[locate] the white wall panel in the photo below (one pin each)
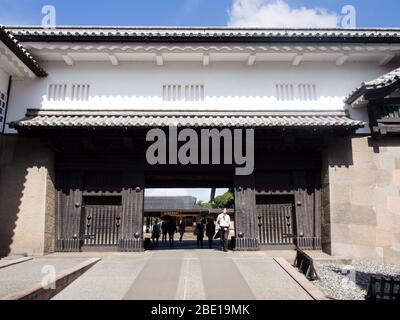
(229, 86)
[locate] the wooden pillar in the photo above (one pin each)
(308, 209)
(132, 209)
(68, 212)
(246, 222)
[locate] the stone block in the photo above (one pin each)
(383, 238)
(360, 144)
(393, 205)
(362, 235)
(396, 177)
(364, 160)
(362, 195)
(386, 161)
(353, 214)
(391, 256)
(339, 193)
(354, 251)
(340, 233)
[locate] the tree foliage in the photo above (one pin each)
(225, 200)
(205, 205)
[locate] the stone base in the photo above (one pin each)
(361, 198)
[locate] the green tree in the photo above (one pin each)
(205, 205)
(226, 200)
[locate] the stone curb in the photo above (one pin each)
(65, 278)
(8, 263)
(311, 289)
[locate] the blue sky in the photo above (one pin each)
(258, 13)
(370, 13)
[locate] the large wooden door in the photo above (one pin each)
(276, 220)
(101, 221)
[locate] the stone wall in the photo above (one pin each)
(361, 199)
(26, 197)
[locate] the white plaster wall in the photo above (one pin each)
(230, 86)
(4, 77)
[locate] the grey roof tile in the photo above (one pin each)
(168, 203)
(142, 119)
(379, 83)
(33, 33)
(13, 44)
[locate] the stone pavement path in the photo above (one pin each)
(20, 276)
(185, 275)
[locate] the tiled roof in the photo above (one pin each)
(12, 43)
(127, 119)
(220, 34)
(178, 203)
(379, 83)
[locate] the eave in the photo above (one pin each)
(20, 52)
(204, 34)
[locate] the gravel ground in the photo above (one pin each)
(350, 282)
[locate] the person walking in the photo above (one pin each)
(223, 224)
(164, 230)
(200, 234)
(155, 235)
(182, 229)
(171, 227)
(210, 232)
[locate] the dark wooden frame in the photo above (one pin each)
(384, 115)
(295, 159)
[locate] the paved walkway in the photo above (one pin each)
(185, 275)
(20, 276)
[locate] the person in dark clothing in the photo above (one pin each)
(155, 234)
(171, 227)
(182, 229)
(210, 232)
(164, 231)
(200, 234)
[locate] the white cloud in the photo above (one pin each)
(279, 14)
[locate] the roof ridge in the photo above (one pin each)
(381, 82)
(204, 34)
(198, 28)
(23, 54)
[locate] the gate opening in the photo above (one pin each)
(176, 218)
(101, 221)
(277, 226)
